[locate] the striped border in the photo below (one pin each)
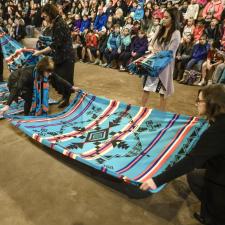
(150, 146)
(110, 109)
(71, 111)
(167, 151)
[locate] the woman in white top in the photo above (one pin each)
(168, 38)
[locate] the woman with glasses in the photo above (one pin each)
(32, 84)
(61, 48)
(205, 164)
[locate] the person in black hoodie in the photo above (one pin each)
(182, 57)
(205, 164)
(213, 32)
(21, 83)
(61, 48)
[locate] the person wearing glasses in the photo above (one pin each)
(61, 48)
(205, 164)
(32, 82)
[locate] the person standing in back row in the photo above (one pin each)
(61, 49)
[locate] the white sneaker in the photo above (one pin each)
(122, 68)
(209, 82)
(104, 65)
(201, 83)
(96, 62)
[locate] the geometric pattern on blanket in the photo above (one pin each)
(16, 107)
(128, 142)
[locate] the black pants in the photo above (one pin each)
(1, 67)
(110, 56)
(66, 71)
(27, 97)
(196, 181)
(124, 58)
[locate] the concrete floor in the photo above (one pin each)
(40, 187)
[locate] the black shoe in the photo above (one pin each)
(64, 104)
(199, 218)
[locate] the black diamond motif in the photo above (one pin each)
(97, 136)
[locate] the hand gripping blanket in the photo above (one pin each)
(151, 64)
(128, 142)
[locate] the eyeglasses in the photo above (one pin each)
(200, 100)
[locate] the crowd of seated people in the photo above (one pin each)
(113, 33)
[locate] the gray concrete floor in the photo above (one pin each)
(39, 187)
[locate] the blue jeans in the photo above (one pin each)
(194, 62)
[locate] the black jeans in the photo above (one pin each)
(27, 97)
(66, 71)
(196, 181)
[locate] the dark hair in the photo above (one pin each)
(116, 26)
(45, 64)
(214, 95)
(51, 10)
(175, 25)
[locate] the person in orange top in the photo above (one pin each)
(198, 31)
(91, 45)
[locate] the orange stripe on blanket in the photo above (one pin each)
(164, 158)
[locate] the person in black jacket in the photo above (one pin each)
(21, 83)
(182, 57)
(207, 181)
(61, 48)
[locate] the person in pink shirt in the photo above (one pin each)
(202, 2)
(198, 31)
(213, 9)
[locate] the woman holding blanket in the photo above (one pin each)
(32, 84)
(167, 38)
(205, 164)
(61, 48)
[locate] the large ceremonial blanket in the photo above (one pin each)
(128, 142)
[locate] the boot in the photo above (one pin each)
(199, 218)
(65, 103)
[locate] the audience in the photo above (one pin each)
(116, 32)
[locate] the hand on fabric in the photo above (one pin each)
(149, 184)
(133, 54)
(74, 89)
(37, 53)
(3, 110)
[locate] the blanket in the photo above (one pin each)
(128, 142)
(16, 55)
(151, 64)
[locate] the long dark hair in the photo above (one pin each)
(175, 25)
(51, 10)
(214, 96)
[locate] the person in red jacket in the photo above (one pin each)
(91, 45)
